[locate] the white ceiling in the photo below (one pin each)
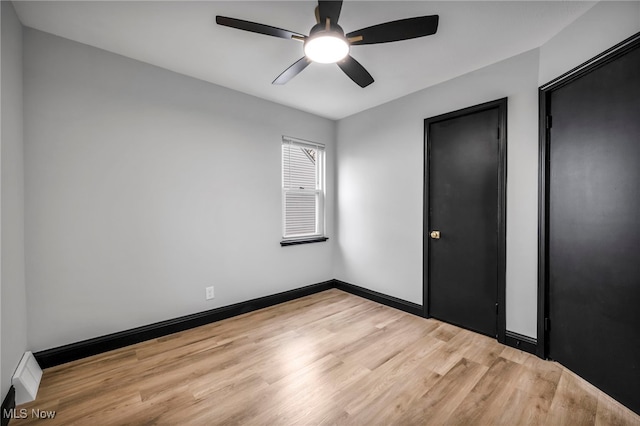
(183, 37)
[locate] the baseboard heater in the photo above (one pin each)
(26, 379)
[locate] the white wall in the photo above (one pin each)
(601, 27)
(380, 169)
(12, 284)
(143, 186)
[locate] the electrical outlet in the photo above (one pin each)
(209, 293)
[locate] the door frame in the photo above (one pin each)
(501, 105)
(545, 124)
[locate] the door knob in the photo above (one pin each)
(435, 235)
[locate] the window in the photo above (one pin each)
(302, 191)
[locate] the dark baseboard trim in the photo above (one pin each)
(74, 351)
(8, 405)
(522, 342)
(391, 301)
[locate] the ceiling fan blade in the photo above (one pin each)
(292, 71)
(329, 9)
(257, 28)
(355, 71)
(402, 29)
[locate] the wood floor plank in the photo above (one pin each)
(487, 401)
(359, 396)
(479, 348)
(611, 413)
(446, 332)
(515, 355)
(439, 403)
(388, 407)
(330, 358)
(523, 409)
(448, 356)
(300, 397)
(571, 403)
(388, 342)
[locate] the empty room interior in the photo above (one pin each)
(303, 212)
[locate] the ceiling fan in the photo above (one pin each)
(327, 43)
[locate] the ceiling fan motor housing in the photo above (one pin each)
(322, 27)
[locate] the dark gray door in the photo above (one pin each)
(594, 227)
(464, 241)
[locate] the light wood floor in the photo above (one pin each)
(329, 358)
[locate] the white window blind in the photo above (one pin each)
(302, 189)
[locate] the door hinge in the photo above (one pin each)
(497, 311)
(549, 122)
(547, 324)
(498, 133)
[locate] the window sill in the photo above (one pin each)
(303, 241)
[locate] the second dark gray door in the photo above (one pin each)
(464, 238)
(594, 227)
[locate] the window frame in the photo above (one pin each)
(319, 191)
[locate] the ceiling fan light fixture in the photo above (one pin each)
(327, 42)
(326, 47)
